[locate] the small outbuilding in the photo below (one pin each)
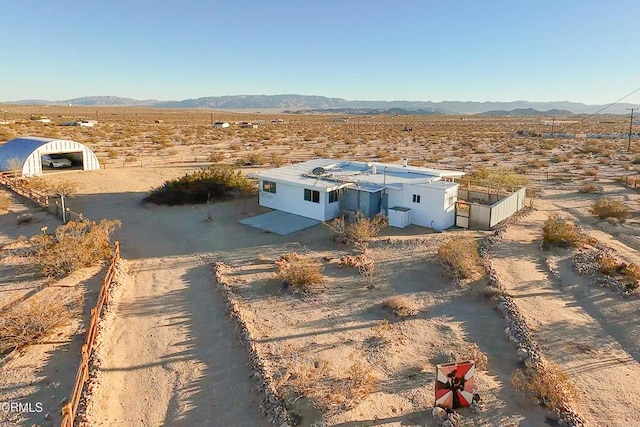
(220, 125)
(28, 154)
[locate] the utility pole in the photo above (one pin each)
(553, 124)
(212, 118)
(630, 127)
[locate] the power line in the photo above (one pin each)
(604, 108)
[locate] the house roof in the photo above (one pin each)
(370, 176)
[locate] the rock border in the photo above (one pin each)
(270, 403)
(517, 330)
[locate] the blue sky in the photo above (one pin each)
(584, 51)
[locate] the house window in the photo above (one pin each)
(416, 198)
(333, 196)
(312, 196)
(269, 186)
(452, 200)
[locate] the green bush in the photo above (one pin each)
(212, 184)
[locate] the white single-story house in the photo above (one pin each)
(324, 189)
(220, 125)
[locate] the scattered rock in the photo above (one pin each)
(270, 405)
(439, 413)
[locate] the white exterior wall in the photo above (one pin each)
(433, 211)
(33, 166)
(331, 210)
(290, 198)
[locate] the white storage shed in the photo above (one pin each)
(25, 154)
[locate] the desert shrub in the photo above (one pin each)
(276, 160)
(608, 264)
(65, 188)
(473, 352)
(31, 321)
(328, 393)
(610, 208)
(353, 260)
(550, 386)
(14, 165)
(590, 189)
(401, 306)
(212, 184)
(360, 231)
(460, 255)
(300, 273)
(499, 177)
(636, 161)
(73, 246)
(5, 201)
(560, 231)
(112, 154)
(253, 159)
(216, 156)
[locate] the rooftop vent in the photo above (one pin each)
(318, 171)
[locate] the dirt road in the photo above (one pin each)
(169, 354)
(577, 339)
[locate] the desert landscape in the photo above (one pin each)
(202, 330)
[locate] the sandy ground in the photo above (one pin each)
(170, 355)
(41, 375)
(170, 345)
(345, 323)
(569, 322)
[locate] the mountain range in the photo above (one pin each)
(320, 103)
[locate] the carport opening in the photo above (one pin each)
(62, 161)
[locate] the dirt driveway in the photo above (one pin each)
(169, 354)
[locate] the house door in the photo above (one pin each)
(463, 211)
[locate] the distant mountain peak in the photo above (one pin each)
(293, 102)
